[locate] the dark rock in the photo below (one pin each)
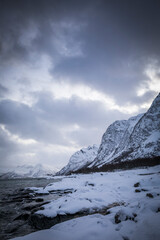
(149, 195)
(117, 219)
(137, 184)
(125, 238)
(23, 216)
(144, 190)
(41, 194)
(91, 184)
(158, 210)
(39, 221)
(35, 206)
(39, 200)
(61, 192)
(42, 222)
(137, 190)
(13, 227)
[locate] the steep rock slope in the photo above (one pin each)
(115, 139)
(135, 138)
(79, 159)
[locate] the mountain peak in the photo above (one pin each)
(79, 159)
(125, 142)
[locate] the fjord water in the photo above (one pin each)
(9, 186)
(9, 209)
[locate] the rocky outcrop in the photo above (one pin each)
(79, 159)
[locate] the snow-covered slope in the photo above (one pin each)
(28, 171)
(137, 137)
(115, 139)
(79, 159)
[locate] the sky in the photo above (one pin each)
(68, 69)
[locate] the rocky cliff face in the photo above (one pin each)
(115, 140)
(135, 138)
(79, 159)
(129, 143)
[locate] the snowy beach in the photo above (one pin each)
(115, 205)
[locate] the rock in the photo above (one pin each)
(137, 190)
(14, 226)
(116, 219)
(120, 216)
(137, 184)
(23, 216)
(149, 195)
(144, 190)
(39, 221)
(39, 200)
(158, 210)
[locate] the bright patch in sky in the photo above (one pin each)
(16, 138)
(152, 83)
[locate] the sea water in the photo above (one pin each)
(10, 209)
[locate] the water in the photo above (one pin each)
(13, 200)
(10, 186)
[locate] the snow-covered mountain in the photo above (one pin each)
(28, 171)
(135, 138)
(79, 159)
(115, 139)
(132, 142)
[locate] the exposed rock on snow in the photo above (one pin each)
(79, 159)
(28, 171)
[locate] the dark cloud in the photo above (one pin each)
(106, 45)
(119, 38)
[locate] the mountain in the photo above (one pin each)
(115, 139)
(125, 144)
(28, 171)
(131, 140)
(79, 159)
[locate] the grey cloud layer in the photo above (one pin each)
(117, 39)
(106, 45)
(46, 119)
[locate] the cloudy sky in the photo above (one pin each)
(68, 69)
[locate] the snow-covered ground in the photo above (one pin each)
(120, 205)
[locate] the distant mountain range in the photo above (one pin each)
(28, 171)
(125, 144)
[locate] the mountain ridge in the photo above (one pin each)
(28, 171)
(129, 143)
